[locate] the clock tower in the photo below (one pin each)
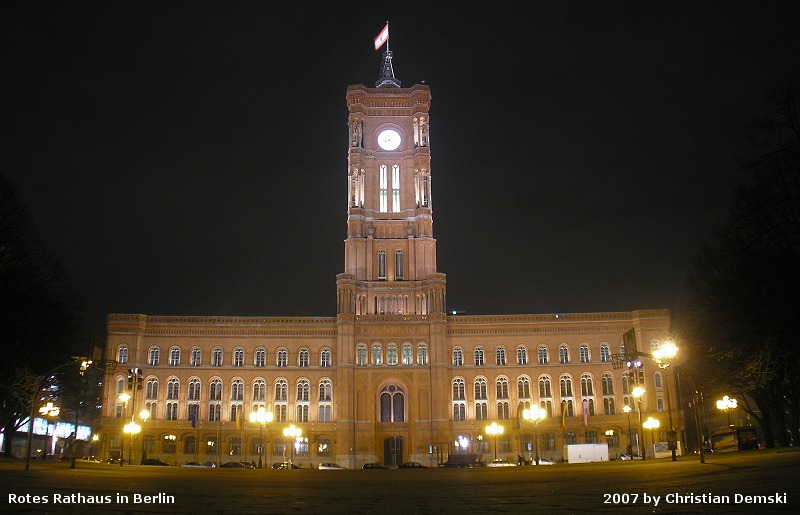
(390, 252)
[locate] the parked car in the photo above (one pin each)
(155, 461)
(91, 459)
(115, 461)
(373, 466)
(285, 465)
(626, 457)
(208, 464)
(330, 466)
(500, 463)
(412, 465)
(233, 465)
(543, 461)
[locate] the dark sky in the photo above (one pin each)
(189, 158)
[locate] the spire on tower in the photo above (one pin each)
(386, 78)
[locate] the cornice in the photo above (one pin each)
(200, 326)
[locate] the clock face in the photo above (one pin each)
(389, 139)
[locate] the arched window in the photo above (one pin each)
(238, 357)
(422, 354)
(459, 390)
(609, 406)
(259, 390)
(605, 353)
(302, 359)
(408, 352)
(398, 265)
(281, 390)
(174, 357)
(587, 387)
(381, 265)
(194, 389)
(563, 354)
(377, 355)
(392, 404)
(361, 355)
(153, 356)
(566, 386)
(173, 389)
(302, 390)
(325, 358)
(543, 357)
(237, 390)
(502, 388)
(282, 357)
(196, 356)
(607, 384)
(657, 380)
(391, 354)
(151, 388)
(522, 355)
(260, 358)
(480, 389)
(500, 356)
(545, 387)
(215, 390)
(479, 362)
(584, 350)
(122, 354)
(216, 357)
(523, 388)
(503, 412)
(325, 407)
(458, 357)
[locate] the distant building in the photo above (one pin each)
(392, 377)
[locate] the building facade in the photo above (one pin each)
(392, 377)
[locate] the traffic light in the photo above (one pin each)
(130, 379)
(139, 378)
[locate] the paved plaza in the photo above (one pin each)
(763, 481)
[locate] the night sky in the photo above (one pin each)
(189, 158)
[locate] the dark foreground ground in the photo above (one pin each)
(630, 487)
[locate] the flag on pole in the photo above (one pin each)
(193, 415)
(585, 412)
(382, 37)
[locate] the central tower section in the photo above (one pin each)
(390, 252)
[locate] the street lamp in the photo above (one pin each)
(294, 434)
(49, 411)
(727, 404)
(144, 415)
(627, 409)
(651, 424)
(131, 428)
(124, 397)
(494, 430)
(638, 392)
(535, 415)
(663, 356)
(261, 416)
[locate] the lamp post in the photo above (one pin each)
(663, 357)
(144, 415)
(534, 416)
(637, 393)
(494, 430)
(293, 433)
(48, 411)
(651, 424)
(261, 416)
(727, 404)
(627, 409)
(124, 397)
(131, 428)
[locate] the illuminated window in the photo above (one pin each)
(260, 357)
(377, 354)
(303, 358)
(459, 390)
(587, 387)
(392, 404)
(522, 355)
(502, 388)
(173, 389)
(605, 353)
(607, 382)
(523, 388)
(216, 357)
(407, 354)
(391, 354)
(282, 357)
(302, 390)
(382, 192)
(563, 354)
(480, 389)
(122, 354)
(458, 357)
(237, 390)
(422, 355)
(584, 351)
(479, 357)
(215, 390)
(172, 411)
(259, 390)
(382, 265)
(396, 188)
(153, 356)
(361, 355)
(543, 357)
(566, 386)
(398, 265)
(174, 357)
(325, 358)
(545, 387)
(500, 356)
(281, 390)
(481, 411)
(196, 356)
(502, 410)
(151, 388)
